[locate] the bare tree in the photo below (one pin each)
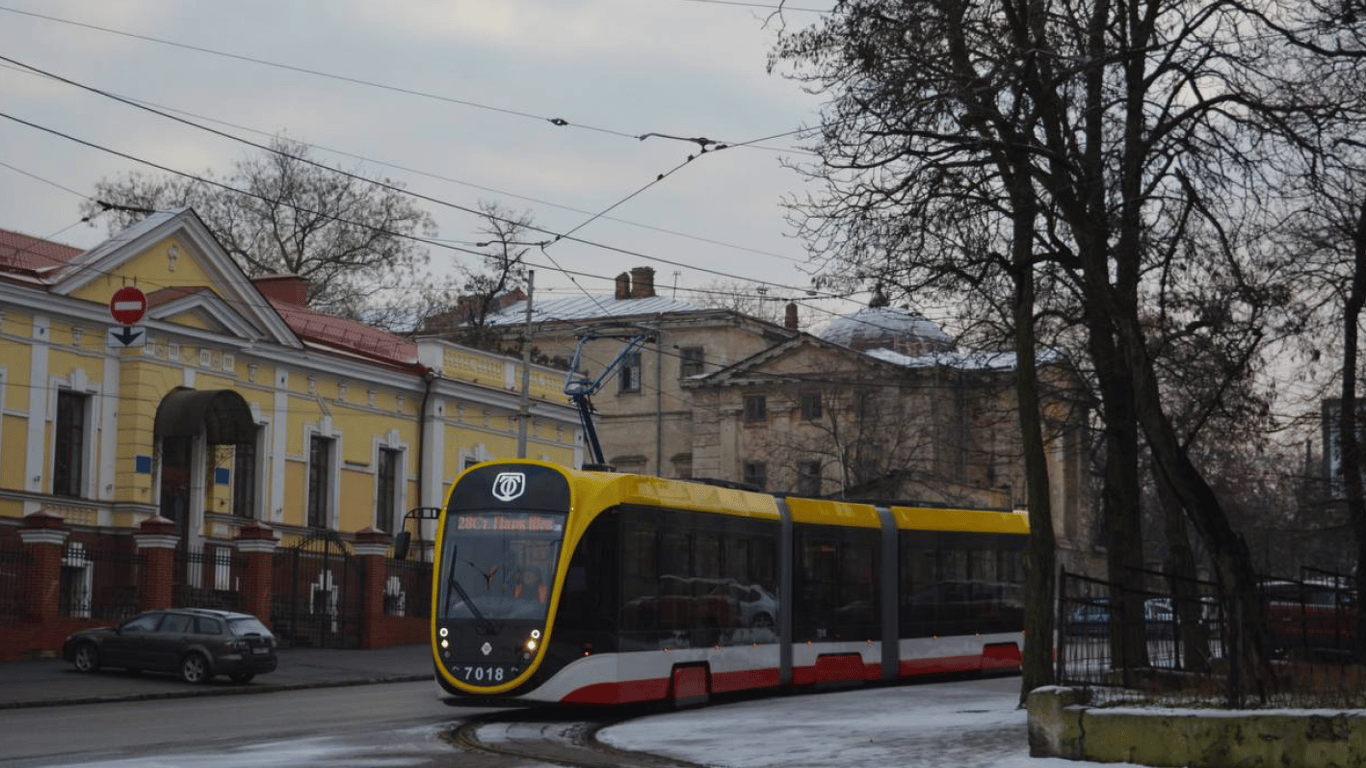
(280, 212)
(490, 286)
(851, 435)
(1122, 156)
(743, 298)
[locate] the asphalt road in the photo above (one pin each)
(324, 726)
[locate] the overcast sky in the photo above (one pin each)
(470, 90)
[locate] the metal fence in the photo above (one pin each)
(99, 580)
(1181, 642)
(12, 564)
(408, 589)
(208, 578)
(318, 593)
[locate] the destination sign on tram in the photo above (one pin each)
(510, 523)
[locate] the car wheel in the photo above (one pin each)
(194, 668)
(86, 658)
(242, 677)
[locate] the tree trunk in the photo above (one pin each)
(1192, 634)
(1120, 505)
(1041, 557)
(1228, 550)
(1351, 448)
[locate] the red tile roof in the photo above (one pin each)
(21, 253)
(24, 253)
(347, 335)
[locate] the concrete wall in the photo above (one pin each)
(1062, 725)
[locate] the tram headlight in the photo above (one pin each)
(531, 645)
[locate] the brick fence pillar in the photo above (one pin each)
(371, 546)
(157, 542)
(43, 535)
(257, 542)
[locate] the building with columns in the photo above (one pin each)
(877, 404)
(217, 407)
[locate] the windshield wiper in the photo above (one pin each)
(479, 616)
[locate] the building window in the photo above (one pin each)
(68, 465)
(756, 409)
(690, 361)
(628, 378)
(756, 474)
(867, 405)
(244, 479)
(869, 462)
(319, 480)
(811, 406)
(809, 477)
(386, 506)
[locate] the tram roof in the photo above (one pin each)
(644, 490)
(827, 512)
(969, 520)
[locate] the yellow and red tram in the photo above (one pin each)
(554, 585)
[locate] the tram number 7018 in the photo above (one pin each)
(485, 674)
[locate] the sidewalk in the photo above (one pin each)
(55, 682)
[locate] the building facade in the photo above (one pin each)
(878, 404)
(228, 407)
(645, 412)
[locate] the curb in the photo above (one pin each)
(246, 690)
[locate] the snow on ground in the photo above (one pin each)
(971, 723)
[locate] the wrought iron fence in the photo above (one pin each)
(12, 564)
(98, 581)
(210, 577)
(408, 589)
(318, 593)
(1184, 643)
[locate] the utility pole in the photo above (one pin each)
(526, 369)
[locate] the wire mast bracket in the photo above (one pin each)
(580, 388)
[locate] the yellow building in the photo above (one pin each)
(217, 400)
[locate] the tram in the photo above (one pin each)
(555, 585)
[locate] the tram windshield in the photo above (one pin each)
(499, 565)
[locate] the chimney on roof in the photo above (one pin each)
(790, 321)
(623, 286)
(286, 289)
(644, 279)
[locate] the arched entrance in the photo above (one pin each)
(190, 425)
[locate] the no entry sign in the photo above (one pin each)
(128, 305)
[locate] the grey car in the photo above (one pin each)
(195, 643)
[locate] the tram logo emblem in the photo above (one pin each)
(509, 485)
(486, 648)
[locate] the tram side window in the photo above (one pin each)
(639, 570)
(588, 609)
(836, 592)
(954, 584)
(707, 578)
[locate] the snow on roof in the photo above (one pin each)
(963, 361)
(973, 361)
(587, 308)
(874, 327)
